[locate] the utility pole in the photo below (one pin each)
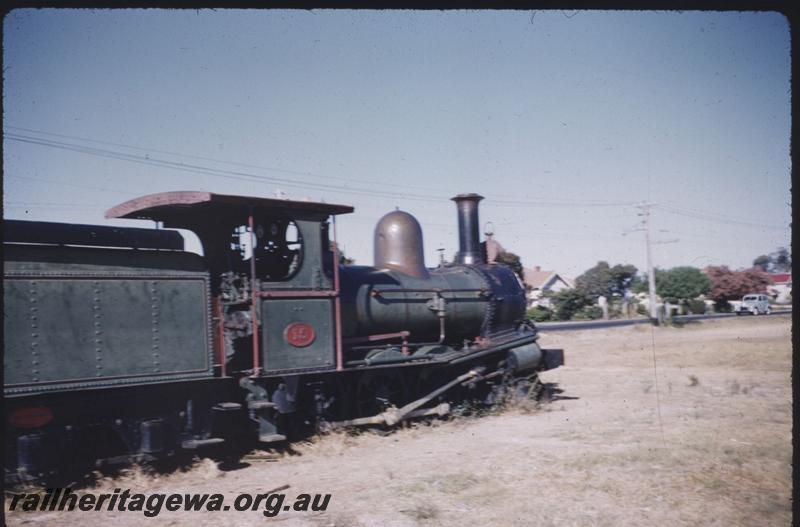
(651, 275)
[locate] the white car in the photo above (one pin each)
(755, 304)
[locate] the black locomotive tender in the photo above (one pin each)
(121, 346)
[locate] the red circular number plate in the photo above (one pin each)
(299, 334)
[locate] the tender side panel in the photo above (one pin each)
(82, 318)
(72, 330)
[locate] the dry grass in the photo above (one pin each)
(423, 510)
(702, 439)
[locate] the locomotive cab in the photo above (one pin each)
(274, 282)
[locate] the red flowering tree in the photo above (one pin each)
(727, 285)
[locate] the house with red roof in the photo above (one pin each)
(781, 288)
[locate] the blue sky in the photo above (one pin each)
(563, 120)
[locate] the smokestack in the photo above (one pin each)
(469, 248)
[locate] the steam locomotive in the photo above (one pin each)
(120, 345)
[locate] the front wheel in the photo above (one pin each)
(756, 312)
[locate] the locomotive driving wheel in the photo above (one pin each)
(322, 401)
(378, 390)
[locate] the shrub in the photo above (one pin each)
(589, 313)
(696, 307)
(568, 302)
(723, 306)
(540, 314)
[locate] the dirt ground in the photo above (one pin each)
(706, 441)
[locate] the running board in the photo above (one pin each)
(393, 415)
(193, 444)
(271, 438)
(440, 411)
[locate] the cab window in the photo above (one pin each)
(276, 244)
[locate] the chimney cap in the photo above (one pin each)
(469, 196)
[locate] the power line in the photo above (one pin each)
(204, 170)
(496, 198)
(217, 172)
(712, 217)
(704, 212)
(249, 177)
(70, 184)
(48, 204)
(215, 160)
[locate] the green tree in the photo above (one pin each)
(512, 260)
(639, 284)
(595, 281)
(680, 284)
(568, 302)
(622, 277)
(779, 261)
(762, 262)
(605, 280)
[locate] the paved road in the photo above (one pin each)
(597, 324)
